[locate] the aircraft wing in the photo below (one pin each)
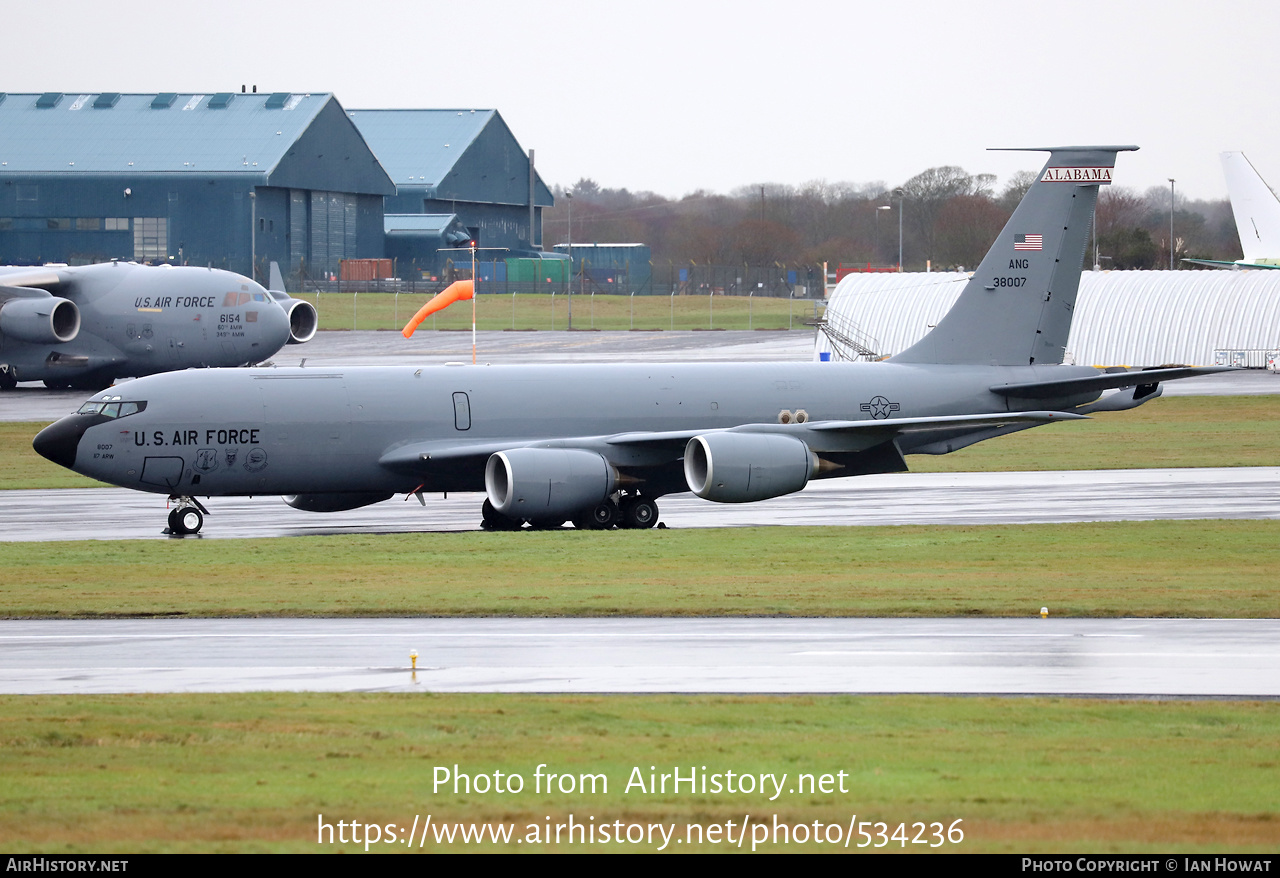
(1105, 381)
(661, 447)
(27, 283)
(35, 276)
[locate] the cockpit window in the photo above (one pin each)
(259, 297)
(111, 409)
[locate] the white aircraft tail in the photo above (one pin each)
(1256, 209)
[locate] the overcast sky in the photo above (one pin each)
(678, 96)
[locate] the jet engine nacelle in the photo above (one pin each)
(743, 467)
(547, 483)
(335, 502)
(40, 320)
(303, 320)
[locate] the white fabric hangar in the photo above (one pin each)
(1123, 318)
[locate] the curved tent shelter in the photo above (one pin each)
(1123, 318)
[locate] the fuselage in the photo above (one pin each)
(374, 429)
(141, 320)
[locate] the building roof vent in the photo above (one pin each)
(48, 100)
(164, 100)
(107, 100)
(221, 100)
(277, 100)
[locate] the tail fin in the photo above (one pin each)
(1256, 209)
(1016, 310)
(275, 281)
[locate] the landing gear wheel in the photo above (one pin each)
(7, 379)
(185, 520)
(54, 384)
(639, 513)
(603, 516)
(492, 519)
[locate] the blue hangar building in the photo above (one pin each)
(238, 181)
(460, 176)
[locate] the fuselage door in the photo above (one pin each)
(461, 411)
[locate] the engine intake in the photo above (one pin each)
(744, 467)
(547, 483)
(303, 320)
(40, 320)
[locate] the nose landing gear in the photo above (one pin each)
(186, 518)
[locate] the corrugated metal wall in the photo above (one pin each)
(1131, 318)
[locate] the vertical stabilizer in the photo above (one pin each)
(1017, 308)
(1256, 210)
(274, 280)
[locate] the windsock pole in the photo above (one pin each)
(473, 303)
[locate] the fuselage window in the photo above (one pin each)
(111, 409)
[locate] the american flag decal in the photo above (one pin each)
(1028, 242)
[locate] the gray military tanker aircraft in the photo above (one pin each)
(598, 445)
(86, 326)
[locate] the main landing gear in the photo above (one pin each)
(631, 511)
(186, 518)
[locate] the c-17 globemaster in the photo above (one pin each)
(598, 445)
(85, 326)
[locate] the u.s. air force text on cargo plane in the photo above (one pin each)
(599, 445)
(85, 326)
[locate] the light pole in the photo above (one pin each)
(1171, 182)
(569, 197)
(878, 209)
(253, 234)
(901, 193)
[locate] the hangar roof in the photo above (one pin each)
(170, 132)
(151, 132)
(464, 155)
(418, 147)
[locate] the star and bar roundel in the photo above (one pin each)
(880, 408)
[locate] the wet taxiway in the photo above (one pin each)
(902, 498)
(1075, 657)
(33, 402)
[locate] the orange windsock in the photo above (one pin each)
(459, 289)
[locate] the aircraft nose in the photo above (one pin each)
(276, 329)
(58, 441)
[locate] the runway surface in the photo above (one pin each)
(33, 402)
(903, 498)
(1077, 657)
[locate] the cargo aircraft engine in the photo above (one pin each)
(41, 319)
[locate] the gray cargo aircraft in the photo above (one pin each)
(86, 326)
(598, 445)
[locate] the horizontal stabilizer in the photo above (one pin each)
(1100, 382)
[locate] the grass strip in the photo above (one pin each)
(523, 311)
(252, 773)
(1111, 569)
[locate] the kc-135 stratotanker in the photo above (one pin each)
(599, 444)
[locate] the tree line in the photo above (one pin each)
(948, 217)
